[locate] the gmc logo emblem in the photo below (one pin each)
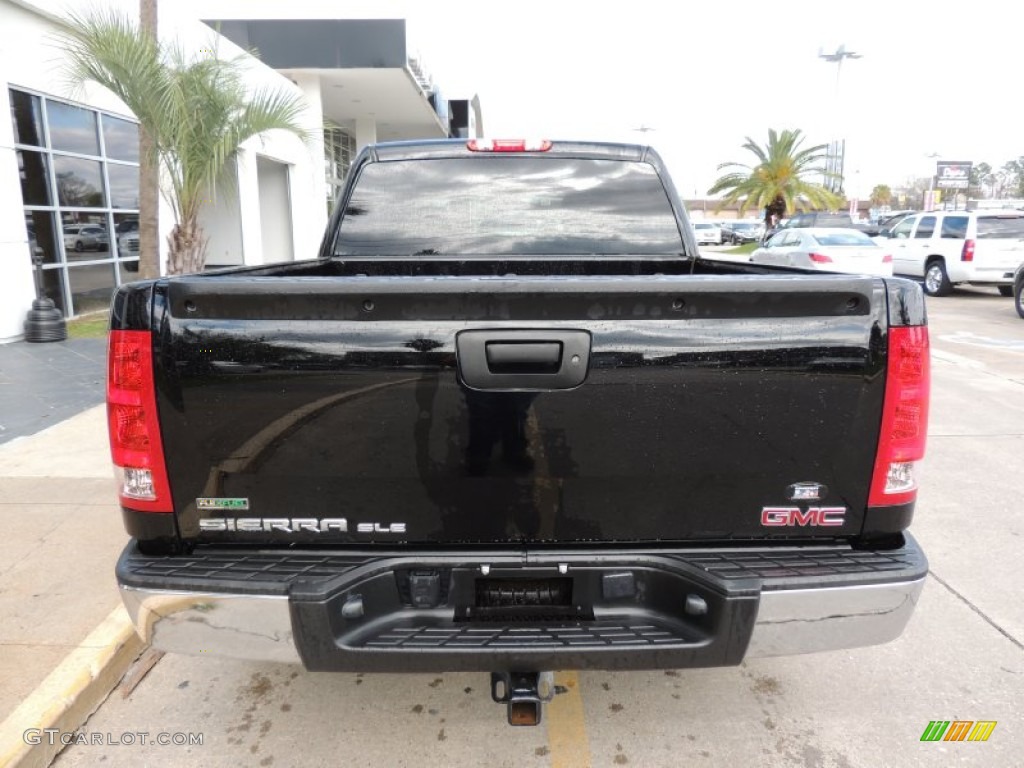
(814, 516)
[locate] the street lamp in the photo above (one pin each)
(929, 204)
(837, 149)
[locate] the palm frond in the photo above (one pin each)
(197, 108)
(781, 172)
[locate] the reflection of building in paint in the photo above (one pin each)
(73, 161)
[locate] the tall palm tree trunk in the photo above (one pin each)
(186, 248)
(149, 173)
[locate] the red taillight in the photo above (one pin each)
(508, 145)
(967, 254)
(135, 444)
(887, 259)
(901, 440)
(820, 258)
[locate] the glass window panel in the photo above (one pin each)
(120, 139)
(53, 287)
(925, 228)
(129, 270)
(86, 243)
(41, 235)
(72, 129)
(1002, 227)
(124, 185)
(35, 181)
(126, 234)
(91, 287)
(79, 182)
(954, 227)
(27, 118)
(85, 236)
(68, 218)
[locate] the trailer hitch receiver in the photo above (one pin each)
(524, 693)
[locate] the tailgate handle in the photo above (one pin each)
(530, 360)
(524, 356)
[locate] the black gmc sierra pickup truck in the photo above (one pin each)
(510, 421)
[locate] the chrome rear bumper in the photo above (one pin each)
(791, 622)
(257, 627)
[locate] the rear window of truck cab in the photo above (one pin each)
(503, 205)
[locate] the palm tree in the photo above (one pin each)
(149, 170)
(197, 112)
(881, 195)
(777, 183)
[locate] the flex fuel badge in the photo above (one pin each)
(230, 504)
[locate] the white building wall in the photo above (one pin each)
(275, 210)
(221, 221)
(16, 285)
(29, 59)
(366, 132)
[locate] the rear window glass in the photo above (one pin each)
(703, 226)
(1001, 226)
(498, 205)
(844, 238)
(954, 227)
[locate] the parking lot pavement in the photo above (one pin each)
(43, 384)
(961, 658)
(866, 707)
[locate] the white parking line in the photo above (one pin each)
(974, 340)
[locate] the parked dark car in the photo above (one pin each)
(739, 232)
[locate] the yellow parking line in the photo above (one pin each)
(567, 730)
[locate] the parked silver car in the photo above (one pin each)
(829, 249)
(85, 237)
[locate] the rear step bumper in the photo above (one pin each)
(408, 612)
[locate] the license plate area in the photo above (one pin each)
(524, 600)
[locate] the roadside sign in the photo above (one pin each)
(952, 174)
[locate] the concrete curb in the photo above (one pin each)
(71, 693)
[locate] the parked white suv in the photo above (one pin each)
(707, 233)
(950, 247)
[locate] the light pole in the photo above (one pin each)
(837, 149)
(929, 203)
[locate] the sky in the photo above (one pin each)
(932, 78)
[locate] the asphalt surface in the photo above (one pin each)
(961, 658)
(44, 384)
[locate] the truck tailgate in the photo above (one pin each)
(450, 410)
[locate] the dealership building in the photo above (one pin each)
(69, 161)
